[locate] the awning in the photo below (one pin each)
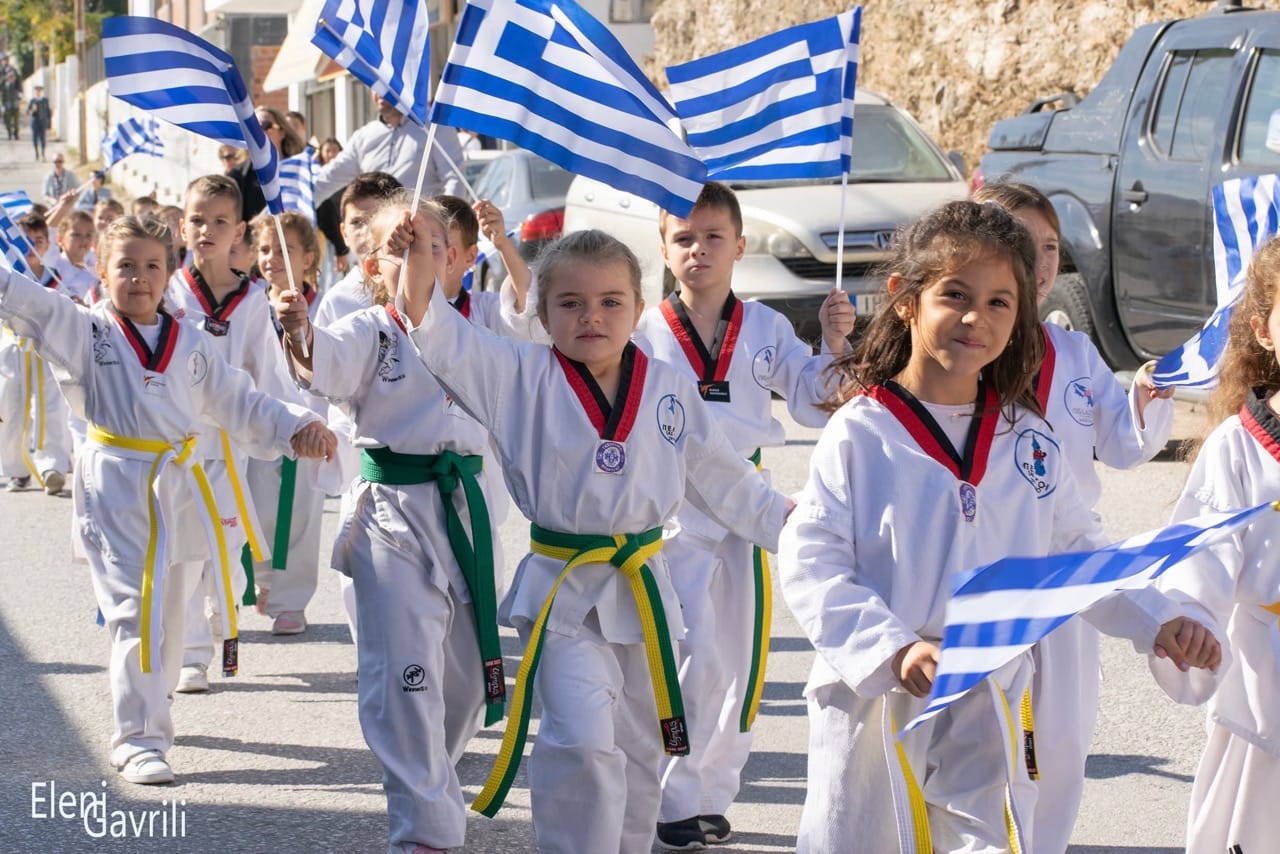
(250, 7)
(298, 58)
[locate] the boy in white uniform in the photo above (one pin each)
(739, 354)
(144, 382)
(599, 446)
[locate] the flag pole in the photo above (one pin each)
(462, 176)
(288, 269)
(844, 190)
(422, 175)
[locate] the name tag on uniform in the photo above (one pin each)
(714, 392)
(611, 457)
(217, 327)
(153, 383)
(968, 502)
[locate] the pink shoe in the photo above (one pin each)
(289, 623)
(423, 849)
(260, 605)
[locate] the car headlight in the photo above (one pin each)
(765, 239)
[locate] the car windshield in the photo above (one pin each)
(887, 148)
(548, 179)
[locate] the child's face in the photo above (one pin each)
(384, 266)
(135, 272)
(592, 309)
(210, 226)
(962, 321)
(271, 259)
(1046, 240)
(39, 241)
(357, 224)
(75, 239)
(702, 249)
(104, 217)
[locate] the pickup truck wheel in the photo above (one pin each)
(1068, 305)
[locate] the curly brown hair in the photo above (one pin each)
(936, 245)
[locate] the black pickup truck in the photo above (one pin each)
(1129, 168)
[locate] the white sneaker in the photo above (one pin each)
(194, 679)
(54, 481)
(147, 769)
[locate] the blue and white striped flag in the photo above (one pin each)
(183, 79)
(15, 203)
(131, 136)
(484, 250)
(14, 246)
(777, 108)
(297, 182)
(1001, 609)
(547, 76)
(1246, 214)
(384, 45)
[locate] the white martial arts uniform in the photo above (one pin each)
(241, 329)
(573, 469)
(159, 391)
(34, 433)
(421, 684)
(889, 517)
(757, 353)
(1091, 415)
(1234, 588)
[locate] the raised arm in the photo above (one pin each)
(62, 331)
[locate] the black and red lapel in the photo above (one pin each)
(210, 306)
(1262, 423)
(156, 361)
(969, 466)
(710, 365)
(612, 421)
(1044, 379)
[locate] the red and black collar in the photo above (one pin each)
(463, 304)
(51, 279)
(208, 304)
(157, 360)
(1044, 378)
(1261, 422)
(612, 421)
(395, 316)
(920, 423)
(707, 364)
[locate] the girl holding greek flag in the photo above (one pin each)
(936, 461)
(147, 384)
(599, 445)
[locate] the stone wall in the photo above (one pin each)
(956, 66)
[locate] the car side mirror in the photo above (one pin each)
(957, 160)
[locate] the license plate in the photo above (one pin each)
(867, 304)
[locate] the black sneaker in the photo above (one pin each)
(17, 484)
(715, 829)
(685, 835)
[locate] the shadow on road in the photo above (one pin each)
(1104, 766)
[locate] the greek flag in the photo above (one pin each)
(547, 76)
(131, 136)
(183, 79)
(777, 108)
(15, 204)
(1246, 214)
(14, 246)
(1001, 609)
(383, 45)
(297, 179)
(484, 249)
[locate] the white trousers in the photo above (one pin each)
(593, 772)
(1064, 700)
(1233, 798)
(289, 589)
(717, 597)
(421, 689)
(55, 454)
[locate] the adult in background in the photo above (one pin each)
(287, 144)
(329, 217)
(298, 122)
(10, 95)
(61, 180)
(41, 117)
(230, 156)
(94, 193)
(393, 145)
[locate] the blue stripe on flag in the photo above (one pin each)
(15, 203)
(14, 246)
(383, 45)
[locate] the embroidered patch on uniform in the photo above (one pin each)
(762, 366)
(413, 676)
(197, 367)
(1037, 458)
(179, 314)
(153, 383)
(968, 502)
(671, 418)
(675, 736)
(611, 457)
(103, 353)
(495, 681)
(389, 358)
(217, 328)
(1078, 400)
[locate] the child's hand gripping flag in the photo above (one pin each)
(998, 611)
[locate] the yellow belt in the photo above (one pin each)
(33, 402)
(242, 506)
(161, 454)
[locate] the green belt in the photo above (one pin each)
(448, 470)
(629, 553)
(763, 618)
(284, 513)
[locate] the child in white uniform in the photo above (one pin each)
(935, 464)
(1236, 585)
(146, 383)
(599, 447)
(1093, 417)
(421, 548)
(739, 354)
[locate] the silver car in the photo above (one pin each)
(792, 227)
